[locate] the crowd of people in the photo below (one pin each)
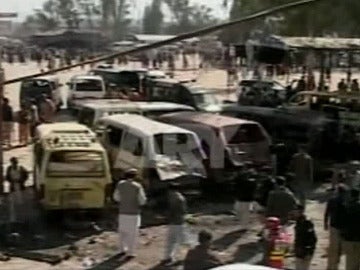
(31, 114)
(282, 197)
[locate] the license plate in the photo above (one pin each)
(72, 196)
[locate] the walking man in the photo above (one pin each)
(305, 240)
(131, 197)
(351, 233)
(245, 188)
(177, 210)
(333, 221)
(302, 167)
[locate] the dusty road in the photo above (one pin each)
(231, 245)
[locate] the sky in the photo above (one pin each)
(25, 7)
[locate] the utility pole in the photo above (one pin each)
(2, 80)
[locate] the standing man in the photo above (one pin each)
(333, 221)
(16, 175)
(177, 210)
(24, 121)
(342, 86)
(46, 109)
(302, 167)
(281, 201)
(34, 117)
(305, 240)
(245, 188)
(351, 233)
(131, 197)
(8, 122)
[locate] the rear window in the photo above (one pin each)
(174, 143)
(36, 88)
(88, 86)
(76, 163)
(246, 133)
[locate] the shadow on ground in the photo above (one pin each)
(174, 266)
(248, 253)
(112, 263)
(227, 240)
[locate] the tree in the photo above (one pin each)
(45, 19)
(108, 10)
(187, 17)
(153, 18)
(54, 14)
(122, 20)
(90, 10)
(316, 20)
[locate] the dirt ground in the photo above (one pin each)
(232, 245)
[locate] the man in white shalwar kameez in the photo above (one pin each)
(131, 197)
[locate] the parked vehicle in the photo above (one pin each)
(92, 111)
(228, 142)
(190, 94)
(85, 87)
(120, 78)
(71, 168)
(264, 93)
(161, 153)
(34, 89)
(316, 131)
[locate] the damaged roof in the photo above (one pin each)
(324, 43)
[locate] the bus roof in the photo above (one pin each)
(68, 135)
(209, 119)
(142, 125)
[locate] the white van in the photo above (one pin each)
(92, 111)
(160, 152)
(85, 87)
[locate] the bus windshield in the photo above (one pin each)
(76, 164)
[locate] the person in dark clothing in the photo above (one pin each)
(16, 175)
(350, 231)
(301, 85)
(342, 87)
(268, 184)
(8, 122)
(245, 187)
(177, 210)
(305, 240)
(333, 221)
(24, 124)
(281, 202)
(201, 257)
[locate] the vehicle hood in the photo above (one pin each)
(241, 266)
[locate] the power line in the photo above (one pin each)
(178, 38)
